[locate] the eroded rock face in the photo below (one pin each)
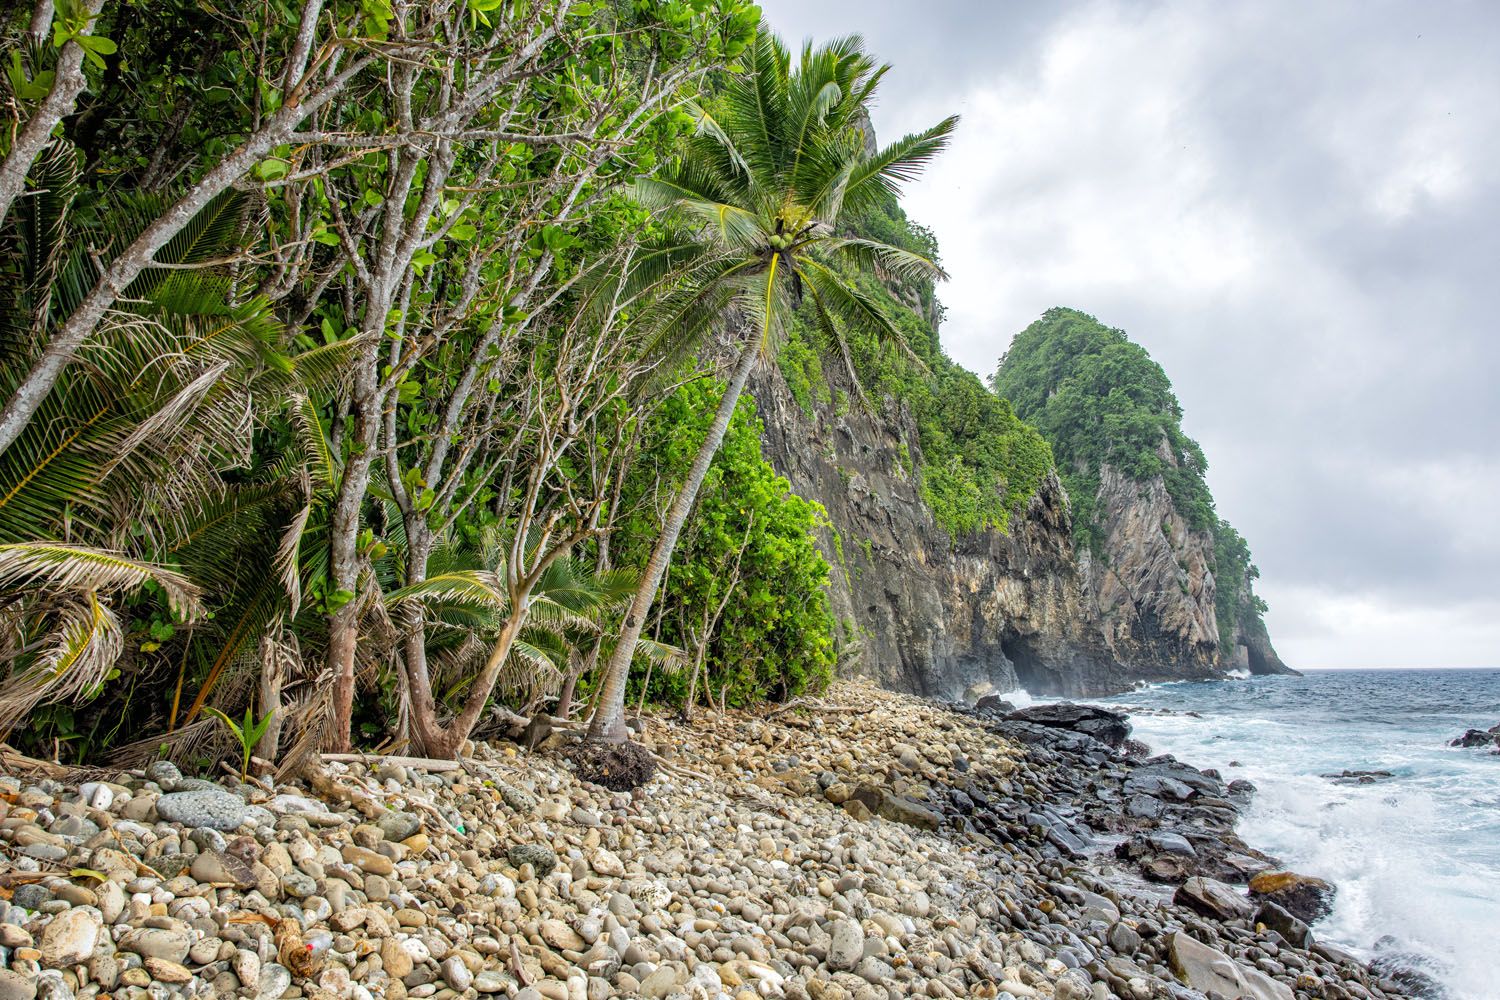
(991, 610)
(1154, 585)
(937, 617)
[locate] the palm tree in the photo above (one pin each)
(763, 188)
(119, 485)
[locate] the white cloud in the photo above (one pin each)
(1296, 210)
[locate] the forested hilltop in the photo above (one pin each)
(382, 375)
(1115, 427)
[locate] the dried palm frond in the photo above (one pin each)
(205, 739)
(73, 658)
(78, 569)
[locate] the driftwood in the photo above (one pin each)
(420, 763)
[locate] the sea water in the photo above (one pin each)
(1416, 856)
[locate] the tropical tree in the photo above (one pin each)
(117, 512)
(779, 161)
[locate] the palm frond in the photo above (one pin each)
(75, 569)
(876, 256)
(480, 588)
(74, 659)
(882, 174)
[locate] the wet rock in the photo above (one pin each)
(1214, 899)
(1295, 931)
(1110, 728)
(1306, 898)
(1347, 777)
(994, 704)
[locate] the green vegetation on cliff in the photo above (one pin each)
(980, 462)
(1100, 399)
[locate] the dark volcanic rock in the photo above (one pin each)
(1347, 777)
(994, 703)
(1105, 726)
(1477, 738)
(1295, 931)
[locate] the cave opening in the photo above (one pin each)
(1255, 660)
(1031, 670)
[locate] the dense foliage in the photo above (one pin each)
(1235, 600)
(1100, 400)
(980, 463)
(322, 353)
(745, 597)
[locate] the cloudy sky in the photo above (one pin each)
(1296, 209)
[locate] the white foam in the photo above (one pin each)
(1019, 697)
(1414, 857)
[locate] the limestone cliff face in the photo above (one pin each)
(934, 617)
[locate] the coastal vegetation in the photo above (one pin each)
(374, 372)
(1100, 400)
(361, 364)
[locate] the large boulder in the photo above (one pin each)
(896, 808)
(1213, 899)
(1209, 970)
(1304, 897)
(1103, 725)
(1297, 933)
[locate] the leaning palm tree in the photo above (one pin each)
(766, 188)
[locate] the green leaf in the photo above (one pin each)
(273, 169)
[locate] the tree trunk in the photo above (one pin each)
(67, 83)
(609, 719)
(272, 676)
(111, 284)
(343, 563)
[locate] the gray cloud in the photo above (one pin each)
(1296, 209)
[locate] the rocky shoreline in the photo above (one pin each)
(860, 846)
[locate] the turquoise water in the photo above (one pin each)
(1416, 856)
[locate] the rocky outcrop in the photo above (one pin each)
(1154, 584)
(933, 615)
(1153, 581)
(997, 610)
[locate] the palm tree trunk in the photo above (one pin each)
(609, 719)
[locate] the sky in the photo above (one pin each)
(1296, 209)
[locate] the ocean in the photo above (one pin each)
(1416, 856)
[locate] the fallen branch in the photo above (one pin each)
(420, 763)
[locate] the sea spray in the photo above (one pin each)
(1416, 856)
